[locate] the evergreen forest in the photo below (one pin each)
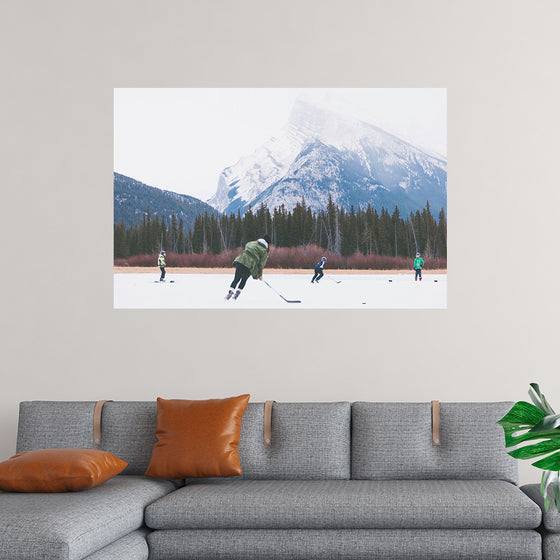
(339, 231)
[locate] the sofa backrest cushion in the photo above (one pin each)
(46, 424)
(394, 441)
(309, 440)
(127, 428)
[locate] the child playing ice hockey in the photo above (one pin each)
(319, 270)
(250, 263)
(161, 264)
(418, 264)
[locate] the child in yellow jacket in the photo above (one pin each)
(161, 264)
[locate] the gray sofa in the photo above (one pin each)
(339, 480)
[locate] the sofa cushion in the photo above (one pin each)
(130, 547)
(351, 544)
(551, 546)
(310, 441)
(70, 526)
(394, 441)
(345, 504)
(127, 428)
(551, 518)
(51, 424)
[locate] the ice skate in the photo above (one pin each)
(229, 294)
(236, 295)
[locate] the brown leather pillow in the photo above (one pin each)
(197, 438)
(58, 470)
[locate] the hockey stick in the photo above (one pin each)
(331, 278)
(277, 293)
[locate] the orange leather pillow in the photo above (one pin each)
(58, 470)
(197, 438)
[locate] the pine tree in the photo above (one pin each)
(249, 226)
(334, 227)
(441, 236)
(349, 239)
(120, 249)
(197, 234)
(181, 240)
(173, 234)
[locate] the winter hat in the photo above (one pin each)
(163, 252)
(323, 258)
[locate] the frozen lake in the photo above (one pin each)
(355, 291)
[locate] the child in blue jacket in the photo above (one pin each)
(319, 270)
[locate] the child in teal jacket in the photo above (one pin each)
(418, 264)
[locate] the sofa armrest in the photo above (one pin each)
(551, 518)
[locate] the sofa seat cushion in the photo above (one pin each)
(551, 518)
(349, 544)
(73, 525)
(133, 546)
(345, 504)
(551, 546)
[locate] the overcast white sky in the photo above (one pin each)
(182, 139)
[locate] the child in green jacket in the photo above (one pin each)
(250, 263)
(418, 264)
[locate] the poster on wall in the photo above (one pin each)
(280, 198)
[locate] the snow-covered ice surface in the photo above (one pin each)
(207, 291)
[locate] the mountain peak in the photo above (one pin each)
(346, 154)
(312, 120)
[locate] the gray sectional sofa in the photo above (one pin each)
(339, 480)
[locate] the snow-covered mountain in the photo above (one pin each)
(320, 153)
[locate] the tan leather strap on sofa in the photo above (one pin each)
(268, 422)
(98, 409)
(435, 423)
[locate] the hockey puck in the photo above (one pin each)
(435, 280)
(390, 280)
(363, 302)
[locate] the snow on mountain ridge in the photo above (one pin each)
(247, 178)
(309, 121)
(382, 159)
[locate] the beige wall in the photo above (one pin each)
(60, 337)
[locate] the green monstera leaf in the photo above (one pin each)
(533, 430)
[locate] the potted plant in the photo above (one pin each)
(534, 431)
